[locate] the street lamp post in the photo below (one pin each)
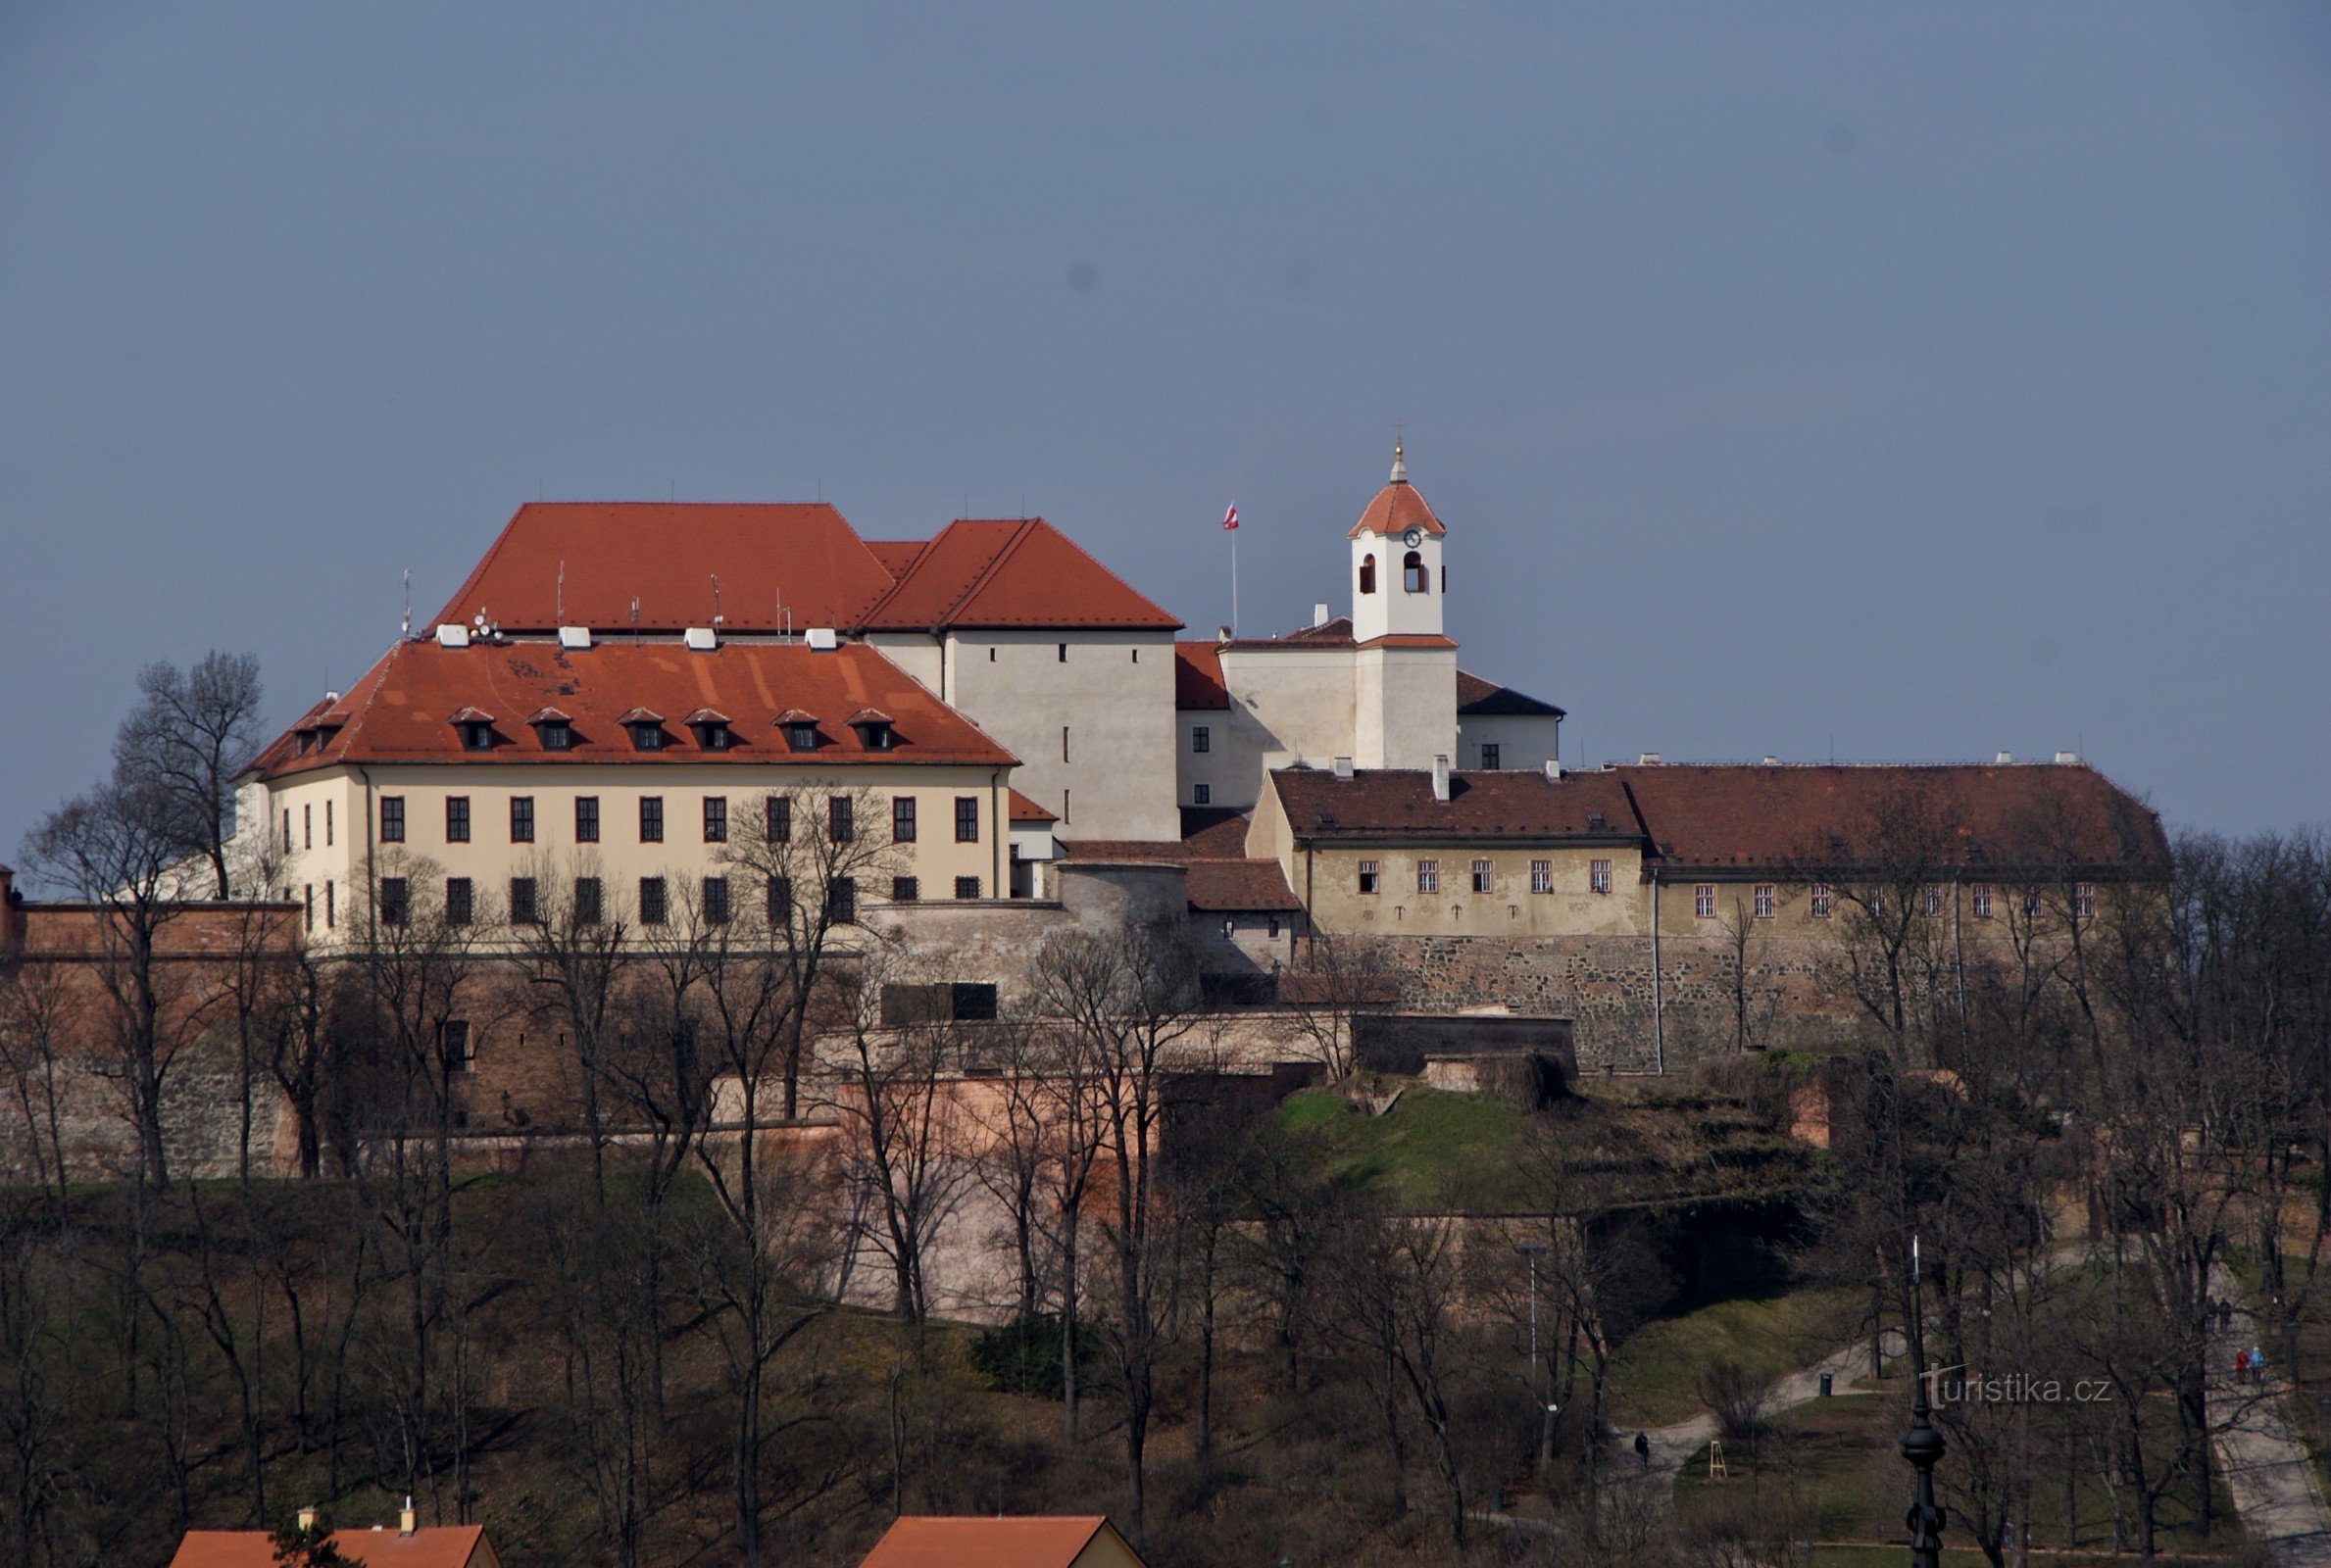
(1921, 1445)
(1533, 1251)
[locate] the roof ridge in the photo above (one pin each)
(898, 583)
(1027, 526)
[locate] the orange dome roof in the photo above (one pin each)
(1398, 508)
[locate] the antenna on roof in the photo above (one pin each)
(559, 598)
(635, 617)
(717, 618)
(408, 602)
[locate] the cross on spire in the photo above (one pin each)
(1400, 468)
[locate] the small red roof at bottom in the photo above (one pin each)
(430, 1546)
(980, 1542)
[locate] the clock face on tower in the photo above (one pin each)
(1412, 538)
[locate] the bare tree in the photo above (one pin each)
(1343, 979)
(116, 849)
(191, 733)
(1126, 998)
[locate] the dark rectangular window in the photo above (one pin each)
(780, 900)
(902, 820)
(457, 819)
(453, 1040)
(396, 901)
(522, 820)
(652, 909)
(1063, 653)
(524, 908)
(1489, 759)
(587, 819)
(715, 819)
(589, 901)
(716, 900)
(647, 737)
(1370, 876)
(329, 920)
(556, 735)
(966, 820)
(461, 901)
(328, 825)
(840, 823)
(780, 818)
(1202, 738)
(967, 887)
(392, 820)
(905, 890)
(841, 900)
(651, 819)
(306, 827)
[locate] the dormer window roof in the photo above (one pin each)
(646, 727)
(552, 728)
(873, 727)
(476, 727)
(712, 727)
(800, 729)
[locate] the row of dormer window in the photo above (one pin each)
(713, 732)
(841, 825)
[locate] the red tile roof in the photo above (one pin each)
(1398, 804)
(402, 704)
(430, 1546)
(895, 554)
(985, 1543)
(1396, 508)
(2010, 815)
(1224, 886)
(803, 557)
(1209, 833)
(1024, 809)
(1198, 676)
(983, 574)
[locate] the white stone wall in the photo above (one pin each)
(1113, 693)
(1406, 714)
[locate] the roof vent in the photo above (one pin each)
(1772, 760)
(702, 639)
(822, 639)
(1649, 760)
(2067, 757)
(1343, 767)
(2003, 758)
(1440, 777)
(451, 634)
(1318, 615)
(574, 636)
(1594, 822)
(332, 697)
(1553, 770)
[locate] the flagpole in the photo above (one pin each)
(1235, 580)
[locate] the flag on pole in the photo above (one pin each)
(1230, 518)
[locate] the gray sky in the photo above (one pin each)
(1902, 381)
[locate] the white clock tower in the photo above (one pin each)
(1405, 686)
(1396, 577)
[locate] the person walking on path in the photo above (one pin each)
(1642, 1449)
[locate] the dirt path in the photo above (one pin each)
(2265, 1461)
(1673, 1445)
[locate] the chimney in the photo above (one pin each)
(407, 1519)
(1648, 760)
(2003, 758)
(307, 1519)
(1318, 615)
(1553, 770)
(1440, 777)
(1772, 760)
(1221, 634)
(1343, 767)
(7, 910)
(2067, 757)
